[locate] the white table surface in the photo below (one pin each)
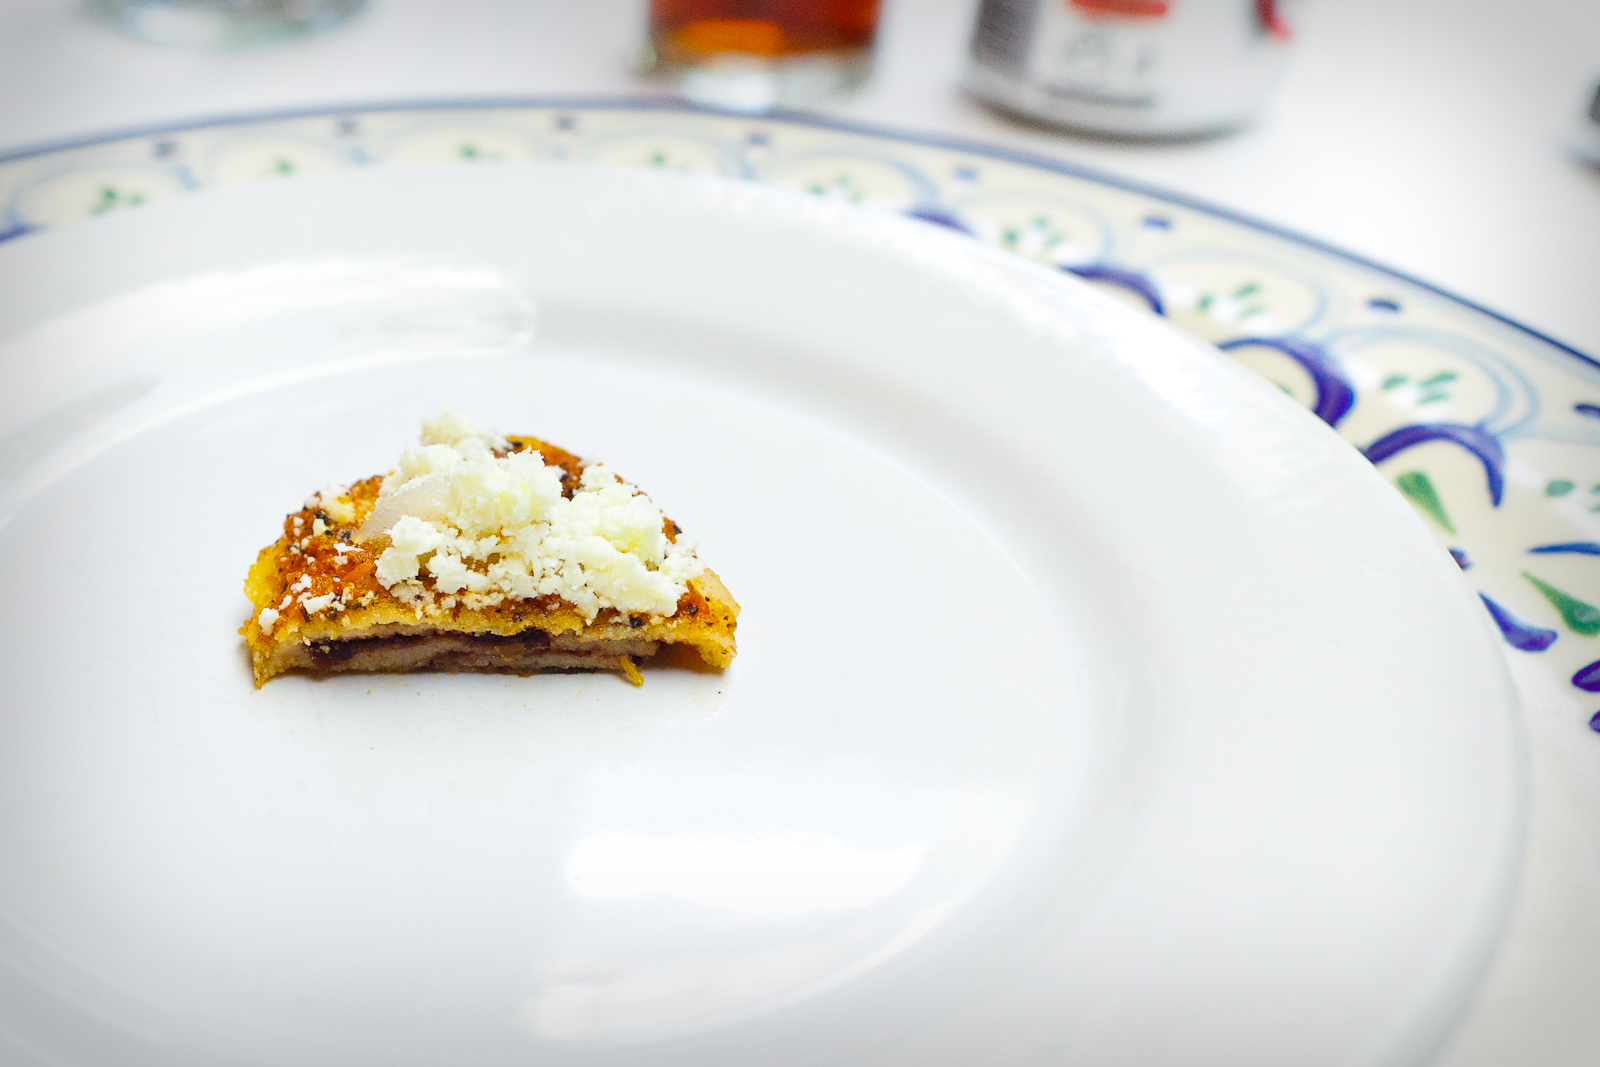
(1433, 136)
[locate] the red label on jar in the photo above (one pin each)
(1121, 9)
(1271, 20)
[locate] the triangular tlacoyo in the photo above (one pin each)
(482, 553)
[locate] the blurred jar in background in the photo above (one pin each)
(752, 55)
(1132, 68)
(222, 22)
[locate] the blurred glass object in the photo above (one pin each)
(753, 55)
(222, 22)
(1587, 143)
(1132, 68)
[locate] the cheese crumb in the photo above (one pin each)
(488, 527)
(314, 604)
(452, 428)
(267, 617)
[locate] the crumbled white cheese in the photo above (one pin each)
(314, 604)
(334, 500)
(318, 527)
(302, 582)
(452, 428)
(489, 528)
(267, 617)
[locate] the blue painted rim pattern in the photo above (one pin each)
(673, 104)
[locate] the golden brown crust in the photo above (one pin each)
(319, 556)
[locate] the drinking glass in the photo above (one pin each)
(752, 55)
(222, 22)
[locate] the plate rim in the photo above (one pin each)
(661, 103)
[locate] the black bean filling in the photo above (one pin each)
(325, 654)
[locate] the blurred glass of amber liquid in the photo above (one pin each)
(754, 54)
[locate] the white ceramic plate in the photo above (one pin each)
(1094, 703)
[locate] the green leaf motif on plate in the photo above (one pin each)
(1432, 387)
(1558, 487)
(843, 187)
(1039, 236)
(1580, 617)
(1418, 488)
(112, 197)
